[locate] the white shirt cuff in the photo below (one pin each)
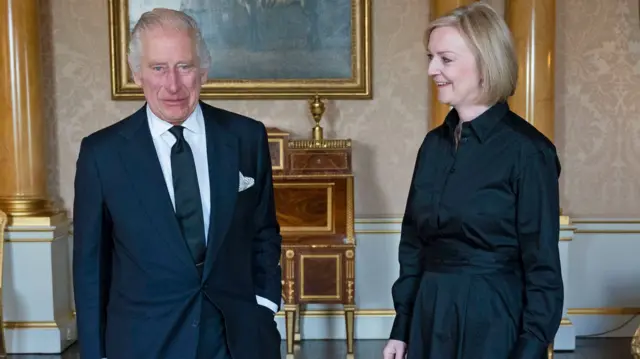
(267, 303)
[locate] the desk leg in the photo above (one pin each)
(349, 317)
(3, 345)
(290, 318)
(550, 351)
(297, 337)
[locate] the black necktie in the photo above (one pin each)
(187, 196)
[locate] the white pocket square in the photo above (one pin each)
(245, 182)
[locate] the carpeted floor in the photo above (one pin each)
(602, 348)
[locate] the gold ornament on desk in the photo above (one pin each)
(316, 106)
(317, 141)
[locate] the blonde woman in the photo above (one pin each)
(479, 264)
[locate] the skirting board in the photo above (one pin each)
(333, 326)
(378, 326)
(40, 340)
(605, 325)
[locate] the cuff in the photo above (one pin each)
(528, 347)
(400, 328)
(267, 303)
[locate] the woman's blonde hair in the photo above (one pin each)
(491, 42)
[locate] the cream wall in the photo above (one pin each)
(597, 88)
(598, 73)
(598, 92)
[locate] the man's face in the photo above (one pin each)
(170, 74)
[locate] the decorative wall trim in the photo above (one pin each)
(587, 312)
(323, 313)
(597, 300)
(392, 225)
(604, 311)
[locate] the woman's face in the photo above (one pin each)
(453, 67)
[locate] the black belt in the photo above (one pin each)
(471, 263)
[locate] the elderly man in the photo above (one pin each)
(176, 243)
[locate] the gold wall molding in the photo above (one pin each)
(574, 221)
(607, 221)
(608, 231)
(604, 311)
(394, 231)
(397, 221)
(391, 313)
(31, 325)
(607, 225)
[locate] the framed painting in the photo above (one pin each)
(263, 49)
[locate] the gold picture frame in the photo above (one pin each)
(354, 52)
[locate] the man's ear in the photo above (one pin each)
(137, 79)
(136, 73)
(204, 74)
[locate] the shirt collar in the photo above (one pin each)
(193, 123)
(483, 124)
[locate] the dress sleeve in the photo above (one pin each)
(538, 224)
(410, 257)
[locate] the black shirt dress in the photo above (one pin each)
(480, 270)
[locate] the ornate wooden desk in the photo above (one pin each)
(313, 189)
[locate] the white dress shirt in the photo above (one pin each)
(194, 134)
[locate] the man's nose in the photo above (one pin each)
(172, 81)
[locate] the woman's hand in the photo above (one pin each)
(395, 349)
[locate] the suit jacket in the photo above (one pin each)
(138, 293)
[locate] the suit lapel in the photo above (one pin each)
(141, 162)
(222, 155)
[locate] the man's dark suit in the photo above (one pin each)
(138, 293)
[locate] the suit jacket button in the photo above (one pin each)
(195, 323)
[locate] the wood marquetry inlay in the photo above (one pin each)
(304, 207)
(320, 276)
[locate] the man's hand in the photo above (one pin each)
(394, 349)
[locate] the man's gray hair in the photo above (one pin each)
(161, 17)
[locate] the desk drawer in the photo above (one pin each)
(329, 161)
(319, 274)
